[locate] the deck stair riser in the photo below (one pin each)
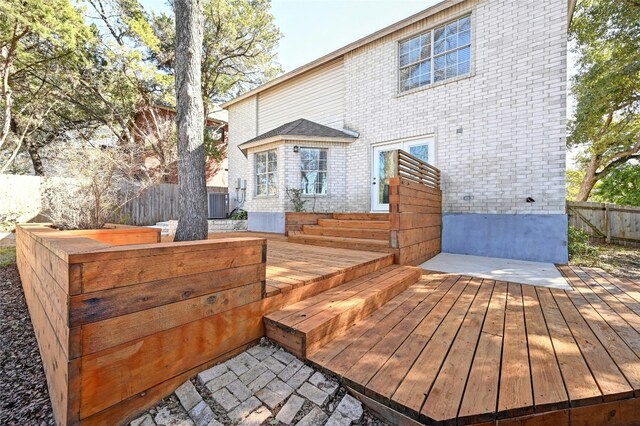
(306, 326)
(341, 242)
(359, 224)
(369, 234)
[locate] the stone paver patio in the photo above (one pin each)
(264, 385)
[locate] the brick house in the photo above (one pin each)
(155, 127)
(475, 87)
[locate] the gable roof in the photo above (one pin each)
(300, 129)
(443, 5)
(438, 7)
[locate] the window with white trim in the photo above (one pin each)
(266, 173)
(313, 171)
(437, 55)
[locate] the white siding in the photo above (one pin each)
(317, 96)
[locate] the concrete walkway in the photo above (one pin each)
(515, 271)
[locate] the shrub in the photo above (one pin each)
(295, 196)
(239, 215)
(579, 244)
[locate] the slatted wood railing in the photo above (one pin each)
(414, 169)
(415, 210)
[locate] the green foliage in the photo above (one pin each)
(606, 124)
(620, 186)
(239, 215)
(579, 244)
(295, 196)
(574, 179)
(239, 47)
(7, 256)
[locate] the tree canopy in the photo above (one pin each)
(71, 71)
(606, 124)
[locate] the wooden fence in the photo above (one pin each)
(158, 203)
(609, 223)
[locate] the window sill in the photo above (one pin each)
(265, 197)
(434, 85)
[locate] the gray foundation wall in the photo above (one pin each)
(535, 237)
(266, 222)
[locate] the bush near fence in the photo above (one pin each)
(21, 201)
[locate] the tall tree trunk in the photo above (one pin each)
(192, 224)
(589, 180)
(36, 160)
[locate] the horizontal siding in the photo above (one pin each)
(317, 96)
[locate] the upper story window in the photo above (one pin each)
(313, 169)
(438, 55)
(266, 173)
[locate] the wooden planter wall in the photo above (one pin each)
(120, 326)
(415, 215)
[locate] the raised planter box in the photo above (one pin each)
(121, 319)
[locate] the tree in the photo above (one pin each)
(239, 47)
(620, 186)
(87, 185)
(190, 121)
(574, 180)
(606, 125)
(37, 38)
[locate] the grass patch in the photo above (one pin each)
(619, 261)
(7, 256)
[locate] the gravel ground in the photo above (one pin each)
(24, 399)
(617, 260)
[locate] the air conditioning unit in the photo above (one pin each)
(218, 205)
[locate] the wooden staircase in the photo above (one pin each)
(304, 327)
(357, 231)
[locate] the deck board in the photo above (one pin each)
(459, 350)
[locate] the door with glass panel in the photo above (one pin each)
(383, 167)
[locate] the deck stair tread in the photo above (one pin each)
(306, 326)
(357, 231)
(330, 241)
(361, 216)
(369, 234)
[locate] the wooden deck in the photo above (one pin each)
(291, 265)
(458, 350)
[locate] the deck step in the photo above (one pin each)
(361, 216)
(340, 242)
(368, 234)
(361, 224)
(306, 326)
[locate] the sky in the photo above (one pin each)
(313, 28)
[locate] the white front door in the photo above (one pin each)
(383, 167)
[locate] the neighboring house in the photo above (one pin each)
(475, 87)
(155, 127)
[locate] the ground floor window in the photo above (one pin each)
(313, 169)
(266, 173)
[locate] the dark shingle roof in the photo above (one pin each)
(302, 127)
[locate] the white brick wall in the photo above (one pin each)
(511, 111)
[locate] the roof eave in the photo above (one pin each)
(244, 147)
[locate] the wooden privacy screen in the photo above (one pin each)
(415, 215)
(120, 326)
